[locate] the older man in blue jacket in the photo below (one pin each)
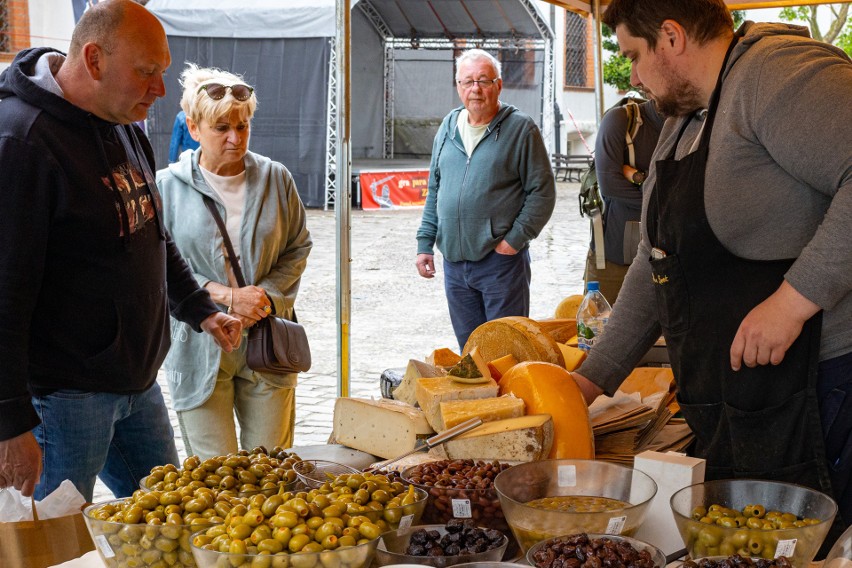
(491, 191)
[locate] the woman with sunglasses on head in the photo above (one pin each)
(265, 222)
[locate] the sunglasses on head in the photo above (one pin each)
(217, 91)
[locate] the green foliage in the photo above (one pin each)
(807, 15)
(739, 17)
(616, 69)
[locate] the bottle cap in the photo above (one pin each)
(592, 286)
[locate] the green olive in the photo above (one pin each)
(369, 530)
(270, 545)
(282, 535)
(298, 542)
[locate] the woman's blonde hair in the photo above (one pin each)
(198, 105)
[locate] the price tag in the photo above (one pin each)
(103, 545)
(615, 525)
(405, 522)
(567, 475)
(786, 548)
(461, 509)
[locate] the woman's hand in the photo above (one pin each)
(250, 304)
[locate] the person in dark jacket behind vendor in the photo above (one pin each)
(491, 191)
(88, 275)
(745, 264)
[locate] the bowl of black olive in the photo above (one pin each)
(583, 549)
(456, 542)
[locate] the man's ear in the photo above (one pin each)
(93, 56)
(674, 36)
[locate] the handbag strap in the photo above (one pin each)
(235, 263)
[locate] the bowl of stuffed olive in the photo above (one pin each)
(550, 498)
(753, 518)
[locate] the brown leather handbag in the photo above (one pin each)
(276, 346)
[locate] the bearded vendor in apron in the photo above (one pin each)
(745, 265)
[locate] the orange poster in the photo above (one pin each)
(392, 190)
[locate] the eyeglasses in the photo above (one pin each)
(483, 83)
(217, 91)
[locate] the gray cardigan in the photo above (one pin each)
(779, 185)
(275, 244)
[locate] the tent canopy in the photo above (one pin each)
(256, 19)
(586, 5)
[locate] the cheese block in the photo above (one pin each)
(561, 330)
(415, 370)
(549, 389)
(431, 392)
(572, 355)
(487, 409)
(515, 335)
(443, 357)
(569, 306)
(526, 438)
(498, 367)
(384, 428)
(471, 369)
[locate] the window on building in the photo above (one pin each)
(575, 50)
(5, 42)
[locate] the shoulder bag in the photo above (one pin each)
(276, 346)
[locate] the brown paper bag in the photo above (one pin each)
(43, 543)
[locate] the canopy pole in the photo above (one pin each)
(598, 47)
(343, 199)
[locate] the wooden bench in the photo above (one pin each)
(569, 167)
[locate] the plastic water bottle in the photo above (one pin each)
(592, 317)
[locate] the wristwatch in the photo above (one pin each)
(639, 177)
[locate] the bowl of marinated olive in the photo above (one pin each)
(290, 530)
(550, 498)
(456, 542)
(244, 473)
(753, 518)
(585, 549)
(153, 528)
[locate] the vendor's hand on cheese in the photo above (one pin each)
(426, 265)
(590, 390)
(770, 328)
(505, 248)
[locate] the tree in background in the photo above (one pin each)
(839, 30)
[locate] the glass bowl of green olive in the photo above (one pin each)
(549, 498)
(151, 529)
(754, 518)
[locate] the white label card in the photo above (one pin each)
(615, 525)
(461, 509)
(104, 547)
(567, 475)
(405, 522)
(786, 548)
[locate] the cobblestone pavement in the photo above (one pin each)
(396, 314)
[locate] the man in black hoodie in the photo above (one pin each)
(87, 273)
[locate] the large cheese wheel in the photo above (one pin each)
(569, 306)
(549, 389)
(515, 335)
(561, 330)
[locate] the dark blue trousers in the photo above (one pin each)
(834, 392)
(494, 287)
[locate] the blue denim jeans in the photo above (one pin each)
(494, 287)
(834, 392)
(119, 438)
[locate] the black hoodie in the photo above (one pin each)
(87, 274)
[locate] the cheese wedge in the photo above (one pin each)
(431, 392)
(498, 367)
(415, 370)
(572, 355)
(486, 409)
(443, 357)
(471, 369)
(384, 428)
(526, 438)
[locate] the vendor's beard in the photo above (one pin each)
(682, 98)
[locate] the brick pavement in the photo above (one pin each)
(396, 315)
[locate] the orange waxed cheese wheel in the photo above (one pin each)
(546, 388)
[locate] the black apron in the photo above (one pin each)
(758, 423)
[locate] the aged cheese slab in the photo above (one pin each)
(487, 409)
(384, 428)
(526, 438)
(431, 392)
(415, 370)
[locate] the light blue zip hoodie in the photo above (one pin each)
(504, 190)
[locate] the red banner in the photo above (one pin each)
(392, 190)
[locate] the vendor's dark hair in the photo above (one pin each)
(703, 20)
